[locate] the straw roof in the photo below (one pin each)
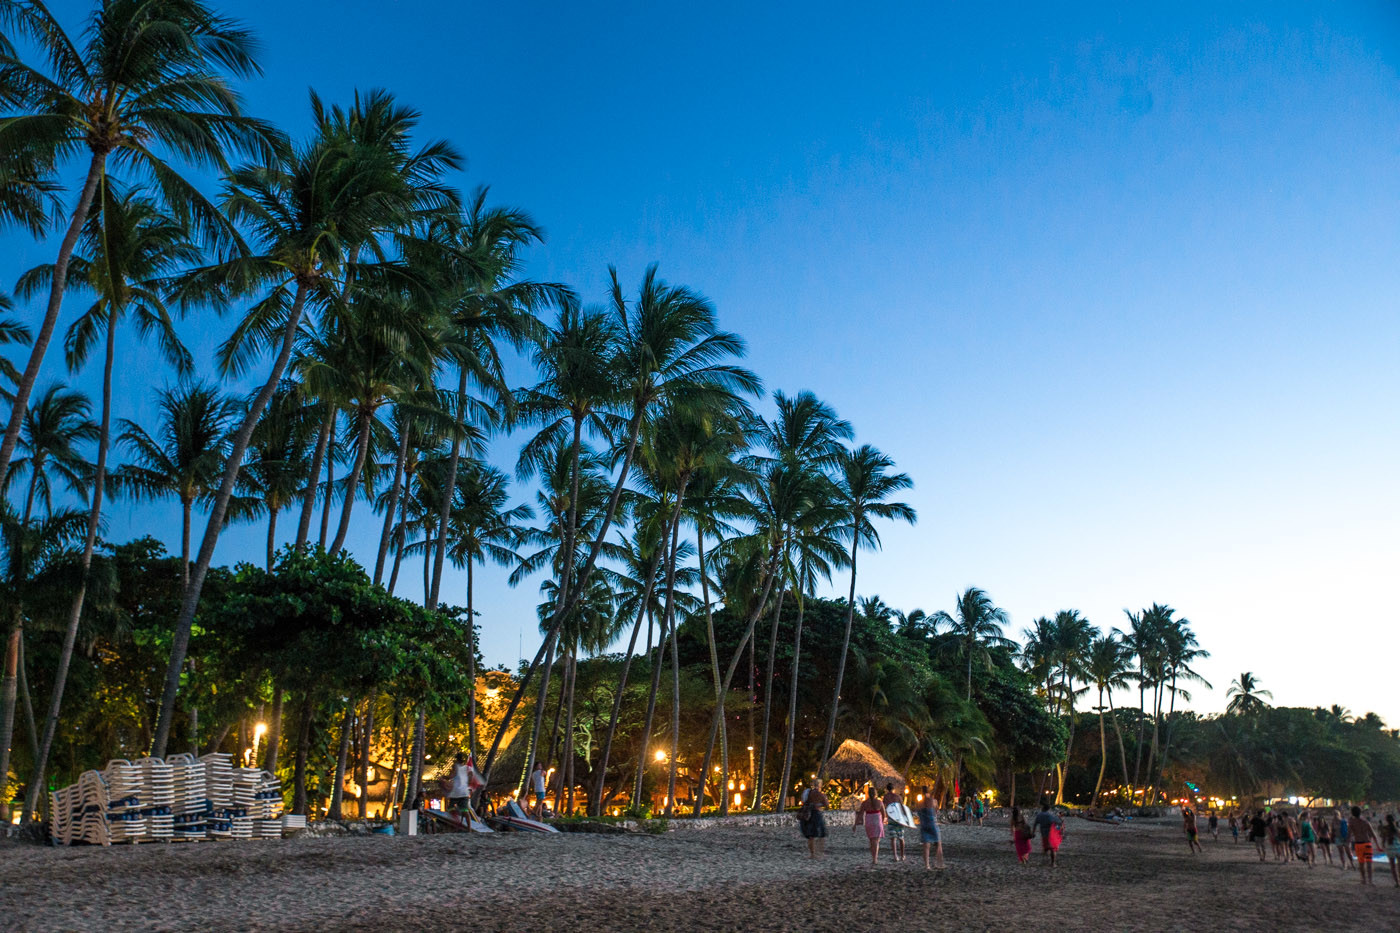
(856, 761)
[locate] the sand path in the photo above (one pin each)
(1111, 878)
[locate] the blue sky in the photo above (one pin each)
(1116, 288)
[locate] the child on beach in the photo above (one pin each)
(929, 836)
(1021, 836)
(872, 813)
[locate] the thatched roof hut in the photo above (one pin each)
(858, 762)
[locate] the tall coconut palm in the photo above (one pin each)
(1245, 697)
(305, 210)
(669, 347)
(185, 457)
(482, 527)
(29, 195)
(1107, 668)
(278, 454)
(149, 75)
(973, 629)
(59, 421)
(11, 332)
(1181, 650)
(864, 484)
(128, 249)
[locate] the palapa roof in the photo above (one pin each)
(856, 761)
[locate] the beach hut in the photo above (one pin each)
(856, 763)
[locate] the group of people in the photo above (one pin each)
(1302, 836)
(874, 816)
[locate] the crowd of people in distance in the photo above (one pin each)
(1305, 836)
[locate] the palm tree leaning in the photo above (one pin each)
(149, 74)
(302, 209)
(863, 487)
(59, 420)
(1107, 668)
(129, 247)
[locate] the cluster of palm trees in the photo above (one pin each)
(373, 311)
(1067, 656)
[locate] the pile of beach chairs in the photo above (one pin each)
(180, 798)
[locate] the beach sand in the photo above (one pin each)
(1137, 877)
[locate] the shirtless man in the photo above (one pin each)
(1365, 841)
(1188, 822)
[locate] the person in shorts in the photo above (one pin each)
(1050, 826)
(1364, 842)
(537, 782)
(929, 835)
(894, 830)
(1213, 824)
(1193, 836)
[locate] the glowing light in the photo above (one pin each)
(921, 798)
(492, 693)
(258, 732)
(731, 785)
(742, 786)
(660, 755)
(738, 800)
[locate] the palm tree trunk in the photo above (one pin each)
(1142, 721)
(274, 730)
(448, 490)
(26, 704)
(1122, 751)
(75, 614)
(398, 544)
(36, 472)
(597, 805)
(566, 769)
(7, 709)
(271, 535)
(326, 499)
(96, 171)
(714, 675)
(1103, 754)
(792, 709)
(183, 623)
(845, 649)
(352, 484)
(303, 749)
(769, 573)
(347, 723)
(362, 772)
(657, 663)
(1167, 744)
(471, 663)
(675, 650)
(761, 777)
(186, 509)
(394, 492)
(550, 643)
(313, 479)
(415, 761)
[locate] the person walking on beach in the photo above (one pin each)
(537, 781)
(896, 831)
(1021, 835)
(929, 835)
(1390, 839)
(872, 814)
(1307, 839)
(1235, 827)
(1051, 828)
(1324, 836)
(1344, 841)
(1188, 821)
(1213, 824)
(812, 819)
(1259, 834)
(1364, 841)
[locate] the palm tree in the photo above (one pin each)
(1107, 668)
(150, 73)
(863, 486)
(975, 628)
(482, 527)
(306, 210)
(277, 458)
(129, 248)
(1073, 638)
(1181, 650)
(59, 420)
(39, 573)
(669, 347)
(185, 457)
(1245, 696)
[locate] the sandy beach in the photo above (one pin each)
(1137, 877)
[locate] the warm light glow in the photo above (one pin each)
(258, 732)
(921, 798)
(743, 786)
(492, 693)
(738, 800)
(731, 785)
(660, 755)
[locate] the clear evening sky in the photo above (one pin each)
(1117, 289)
